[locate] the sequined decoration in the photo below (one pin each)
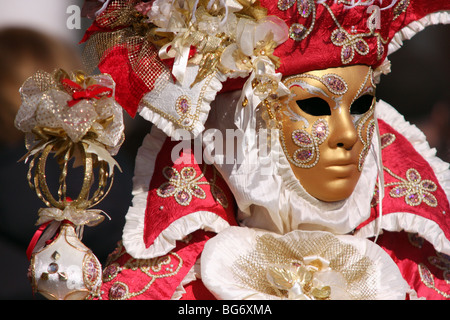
(366, 138)
(413, 188)
(349, 43)
(387, 139)
(352, 42)
(92, 270)
(183, 105)
(333, 82)
(440, 261)
(400, 8)
(428, 279)
(305, 9)
(308, 143)
(182, 185)
(156, 268)
(185, 184)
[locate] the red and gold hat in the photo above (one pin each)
(171, 58)
(326, 34)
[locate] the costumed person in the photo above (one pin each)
(271, 171)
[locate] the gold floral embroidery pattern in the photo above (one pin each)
(414, 190)
(305, 8)
(350, 42)
(440, 260)
(182, 185)
(156, 268)
(401, 7)
(185, 184)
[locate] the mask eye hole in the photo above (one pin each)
(314, 106)
(362, 104)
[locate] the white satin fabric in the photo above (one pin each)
(221, 264)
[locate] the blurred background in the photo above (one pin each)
(34, 35)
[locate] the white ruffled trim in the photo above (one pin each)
(133, 232)
(176, 231)
(409, 31)
(408, 222)
(398, 221)
(207, 90)
(192, 275)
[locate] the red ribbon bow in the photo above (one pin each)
(94, 91)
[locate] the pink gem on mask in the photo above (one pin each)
(303, 155)
(320, 130)
(301, 138)
(335, 84)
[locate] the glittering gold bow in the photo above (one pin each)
(89, 130)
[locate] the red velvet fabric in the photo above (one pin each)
(399, 156)
(162, 212)
(151, 279)
(317, 52)
(425, 270)
(196, 290)
(314, 52)
(130, 88)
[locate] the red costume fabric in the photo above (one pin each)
(426, 270)
(177, 189)
(322, 35)
(326, 37)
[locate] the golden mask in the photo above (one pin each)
(327, 124)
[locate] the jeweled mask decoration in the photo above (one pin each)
(326, 127)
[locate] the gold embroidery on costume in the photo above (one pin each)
(357, 271)
(428, 279)
(400, 8)
(353, 42)
(440, 261)
(305, 8)
(156, 268)
(350, 42)
(387, 139)
(185, 184)
(414, 190)
(182, 185)
(188, 111)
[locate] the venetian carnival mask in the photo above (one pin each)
(327, 123)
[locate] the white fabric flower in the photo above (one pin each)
(243, 263)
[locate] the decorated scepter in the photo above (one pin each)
(75, 118)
